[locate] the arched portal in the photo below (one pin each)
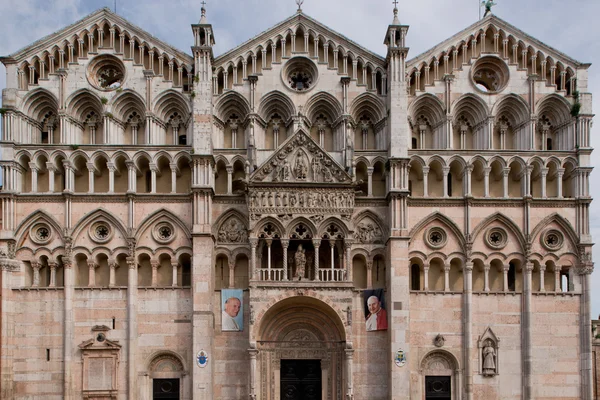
(440, 376)
(166, 377)
(301, 344)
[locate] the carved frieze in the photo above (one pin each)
(233, 231)
(301, 201)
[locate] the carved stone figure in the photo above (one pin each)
(367, 232)
(232, 231)
(300, 169)
(439, 341)
(286, 171)
(300, 262)
(326, 172)
(489, 358)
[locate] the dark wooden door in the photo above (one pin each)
(300, 380)
(165, 389)
(438, 388)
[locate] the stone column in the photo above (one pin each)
(369, 274)
(505, 269)
(486, 181)
(111, 177)
(155, 264)
(426, 181)
(36, 273)
(447, 278)
(557, 287)
(175, 266)
(269, 243)
(174, 170)
(332, 245)
(253, 245)
(34, 177)
(526, 334)
(316, 243)
(585, 319)
(68, 327)
(426, 277)
(132, 288)
(229, 179)
(370, 180)
(542, 277)
(153, 171)
(91, 273)
(446, 171)
(468, 322)
(112, 264)
(52, 265)
(285, 243)
(231, 265)
(486, 277)
(91, 169)
(505, 173)
(253, 354)
(349, 272)
(349, 353)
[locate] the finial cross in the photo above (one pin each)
(395, 3)
(299, 2)
(203, 4)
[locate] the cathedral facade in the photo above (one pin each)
(298, 218)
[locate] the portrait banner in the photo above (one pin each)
(375, 312)
(232, 310)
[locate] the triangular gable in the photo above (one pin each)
(499, 24)
(300, 160)
(308, 23)
(87, 22)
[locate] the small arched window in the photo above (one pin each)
(415, 277)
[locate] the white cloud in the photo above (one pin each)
(431, 21)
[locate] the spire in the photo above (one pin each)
(396, 20)
(203, 18)
(299, 2)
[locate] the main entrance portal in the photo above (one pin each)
(300, 379)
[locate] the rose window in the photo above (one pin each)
(300, 81)
(165, 232)
(102, 232)
(43, 234)
(436, 238)
(110, 77)
(490, 74)
(496, 238)
(552, 240)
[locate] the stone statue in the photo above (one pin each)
(439, 341)
(488, 6)
(286, 171)
(300, 261)
(489, 358)
(300, 169)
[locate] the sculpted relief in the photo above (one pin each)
(300, 201)
(301, 160)
(368, 231)
(233, 231)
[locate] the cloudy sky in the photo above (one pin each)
(566, 25)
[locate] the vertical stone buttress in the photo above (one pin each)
(398, 144)
(203, 320)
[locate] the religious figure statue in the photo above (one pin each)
(300, 169)
(488, 4)
(286, 171)
(327, 177)
(300, 262)
(489, 358)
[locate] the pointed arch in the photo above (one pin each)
(232, 102)
(40, 102)
(509, 223)
(472, 107)
(323, 103)
(99, 213)
(224, 217)
(514, 108)
(276, 102)
(162, 214)
(126, 103)
(369, 104)
(428, 106)
(560, 221)
(437, 216)
(33, 218)
(83, 102)
(170, 102)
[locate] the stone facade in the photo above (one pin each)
(139, 182)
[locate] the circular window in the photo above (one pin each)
(300, 74)
(41, 233)
(436, 237)
(490, 74)
(496, 238)
(101, 337)
(552, 240)
(163, 232)
(100, 232)
(106, 73)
